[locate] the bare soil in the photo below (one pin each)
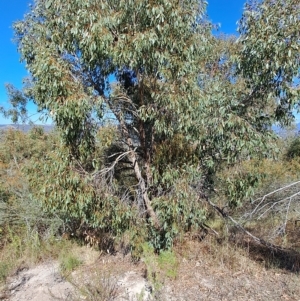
(43, 282)
(204, 272)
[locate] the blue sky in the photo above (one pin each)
(225, 12)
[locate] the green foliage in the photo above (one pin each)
(27, 232)
(269, 61)
(76, 197)
(18, 105)
(4, 271)
(243, 184)
(181, 211)
(167, 262)
(293, 150)
(240, 186)
(159, 266)
(19, 208)
(185, 106)
(68, 263)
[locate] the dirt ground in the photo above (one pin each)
(42, 282)
(201, 274)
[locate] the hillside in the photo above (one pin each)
(26, 127)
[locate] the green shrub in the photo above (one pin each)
(293, 150)
(69, 262)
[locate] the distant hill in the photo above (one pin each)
(26, 127)
(282, 132)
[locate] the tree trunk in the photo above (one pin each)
(132, 157)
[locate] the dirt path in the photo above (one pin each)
(43, 282)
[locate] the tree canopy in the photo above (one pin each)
(183, 102)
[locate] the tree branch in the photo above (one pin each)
(226, 216)
(132, 157)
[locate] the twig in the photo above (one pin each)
(108, 169)
(16, 162)
(210, 228)
(286, 215)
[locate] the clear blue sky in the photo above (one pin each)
(225, 12)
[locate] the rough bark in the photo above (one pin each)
(132, 157)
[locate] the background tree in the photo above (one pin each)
(269, 59)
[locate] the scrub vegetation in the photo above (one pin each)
(163, 133)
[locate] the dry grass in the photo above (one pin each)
(225, 267)
(212, 262)
(211, 269)
(223, 270)
(29, 249)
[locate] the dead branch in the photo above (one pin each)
(238, 225)
(112, 166)
(282, 202)
(273, 204)
(262, 199)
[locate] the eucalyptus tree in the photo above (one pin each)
(270, 56)
(183, 101)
